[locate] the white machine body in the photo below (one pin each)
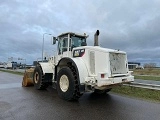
(98, 67)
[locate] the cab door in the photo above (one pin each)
(62, 46)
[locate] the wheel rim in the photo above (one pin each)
(64, 83)
(36, 77)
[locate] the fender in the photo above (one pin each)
(80, 66)
(47, 67)
(82, 69)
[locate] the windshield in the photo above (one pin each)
(78, 41)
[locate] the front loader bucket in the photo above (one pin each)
(28, 78)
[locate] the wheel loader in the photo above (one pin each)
(77, 68)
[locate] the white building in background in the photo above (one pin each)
(8, 65)
(133, 65)
(1, 65)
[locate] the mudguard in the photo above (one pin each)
(47, 67)
(82, 69)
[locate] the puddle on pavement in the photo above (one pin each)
(10, 85)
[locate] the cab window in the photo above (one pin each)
(77, 41)
(62, 45)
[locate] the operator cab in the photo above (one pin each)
(68, 41)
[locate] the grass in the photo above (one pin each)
(13, 72)
(149, 71)
(147, 94)
(156, 78)
(147, 74)
(152, 95)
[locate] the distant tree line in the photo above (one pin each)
(149, 65)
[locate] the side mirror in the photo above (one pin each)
(54, 39)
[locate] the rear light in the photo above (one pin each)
(78, 52)
(102, 75)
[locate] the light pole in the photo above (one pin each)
(43, 44)
(24, 62)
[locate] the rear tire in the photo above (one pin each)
(67, 85)
(39, 84)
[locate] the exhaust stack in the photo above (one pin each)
(96, 38)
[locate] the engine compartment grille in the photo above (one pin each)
(118, 64)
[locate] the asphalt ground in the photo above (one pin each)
(26, 103)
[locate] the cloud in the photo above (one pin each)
(132, 26)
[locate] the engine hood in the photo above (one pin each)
(98, 48)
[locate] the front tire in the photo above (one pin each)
(39, 84)
(67, 85)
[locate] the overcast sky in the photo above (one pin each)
(129, 25)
